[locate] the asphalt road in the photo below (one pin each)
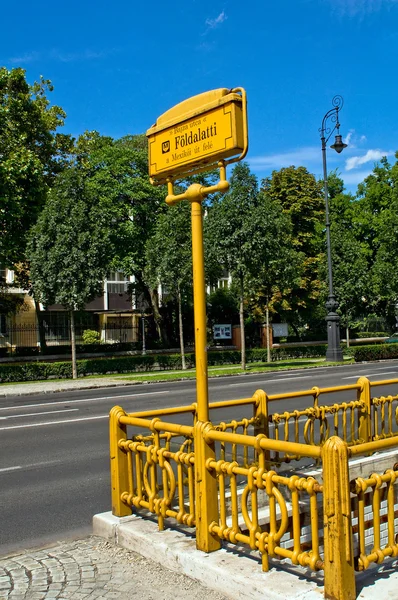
(54, 456)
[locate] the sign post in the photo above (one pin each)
(195, 136)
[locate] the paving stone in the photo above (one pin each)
(89, 569)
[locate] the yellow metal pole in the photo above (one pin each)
(365, 415)
(339, 559)
(202, 396)
(119, 463)
(206, 510)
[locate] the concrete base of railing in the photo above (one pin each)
(230, 571)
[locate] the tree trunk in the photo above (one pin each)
(293, 326)
(182, 350)
(347, 335)
(154, 297)
(40, 324)
(242, 327)
(268, 338)
(73, 344)
(143, 335)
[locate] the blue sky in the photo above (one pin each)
(117, 66)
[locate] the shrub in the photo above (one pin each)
(379, 352)
(369, 334)
(127, 364)
(90, 336)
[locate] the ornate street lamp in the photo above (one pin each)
(334, 352)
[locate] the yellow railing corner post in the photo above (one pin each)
(206, 499)
(261, 413)
(261, 425)
(365, 415)
(338, 541)
(119, 464)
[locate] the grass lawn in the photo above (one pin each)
(214, 371)
(225, 370)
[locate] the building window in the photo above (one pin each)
(117, 282)
(6, 276)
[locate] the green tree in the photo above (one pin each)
(169, 258)
(375, 224)
(247, 233)
(31, 152)
(116, 172)
(70, 248)
(222, 307)
(300, 196)
(380, 199)
(350, 255)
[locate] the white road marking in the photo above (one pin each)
(370, 375)
(47, 412)
(269, 381)
(45, 463)
(81, 400)
(6, 469)
(54, 423)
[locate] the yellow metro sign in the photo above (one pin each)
(196, 134)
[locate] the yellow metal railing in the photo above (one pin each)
(327, 521)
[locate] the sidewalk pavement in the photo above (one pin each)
(92, 569)
(105, 567)
(48, 387)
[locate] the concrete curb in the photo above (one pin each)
(233, 573)
(32, 389)
(237, 577)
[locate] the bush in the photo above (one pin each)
(368, 334)
(379, 352)
(90, 336)
(150, 362)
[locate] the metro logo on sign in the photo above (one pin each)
(196, 134)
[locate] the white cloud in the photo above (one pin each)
(286, 159)
(77, 56)
(360, 7)
(25, 58)
(213, 23)
(353, 140)
(348, 137)
(355, 177)
(371, 155)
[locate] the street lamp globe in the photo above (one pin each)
(338, 145)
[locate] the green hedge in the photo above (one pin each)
(379, 352)
(129, 364)
(89, 366)
(368, 334)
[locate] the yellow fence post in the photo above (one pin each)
(339, 558)
(261, 414)
(119, 466)
(365, 416)
(206, 499)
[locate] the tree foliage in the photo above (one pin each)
(71, 245)
(248, 234)
(300, 196)
(31, 152)
(168, 257)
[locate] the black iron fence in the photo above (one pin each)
(25, 339)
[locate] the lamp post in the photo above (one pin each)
(334, 352)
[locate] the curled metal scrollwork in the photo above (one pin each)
(333, 116)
